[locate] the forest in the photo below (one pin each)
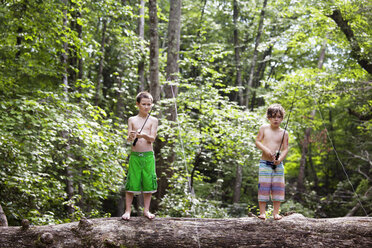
(70, 71)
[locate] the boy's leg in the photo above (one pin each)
(262, 206)
(278, 190)
(128, 205)
(149, 183)
(147, 201)
(276, 210)
(264, 187)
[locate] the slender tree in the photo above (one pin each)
(170, 90)
(154, 51)
(100, 67)
(69, 174)
(238, 82)
(255, 55)
(141, 34)
(238, 79)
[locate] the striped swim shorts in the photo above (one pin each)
(270, 182)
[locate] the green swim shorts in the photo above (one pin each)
(141, 174)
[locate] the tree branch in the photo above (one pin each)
(355, 48)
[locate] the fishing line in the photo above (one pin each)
(179, 133)
(338, 158)
(184, 158)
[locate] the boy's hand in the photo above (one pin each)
(277, 158)
(132, 135)
(271, 155)
(141, 135)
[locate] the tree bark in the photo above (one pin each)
(238, 79)
(3, 219)
(171, 91)
(174, 32)
(141, 34)
(292, 231)
(154, 51)
(79, 29)
(238, 82)
(238, 183)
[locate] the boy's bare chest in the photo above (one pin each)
(137, 125)
(273, 136)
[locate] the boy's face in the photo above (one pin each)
(144, 106)
(276, 120)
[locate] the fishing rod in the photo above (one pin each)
(136, 139)
(285, 129)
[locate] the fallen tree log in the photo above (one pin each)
(292, 231)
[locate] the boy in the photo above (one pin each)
(271, 170)
(141, 174)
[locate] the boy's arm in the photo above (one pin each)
(284, 150)
(131, 132)
(260, 145)
(153, 131)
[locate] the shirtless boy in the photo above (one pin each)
(271, 170)
(141, 176)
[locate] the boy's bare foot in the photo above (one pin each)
(126, 216)
(278, 217)
(262, 216)
(149, 215)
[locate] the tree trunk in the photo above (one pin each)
(98, 95)
(3, 219)
(154, 51)
(79, 29)
(195, 69)
(238, 82)
(238, 183)
(313, 170)
(255, 53)
(301, 174)
(258, 75)
(238, 79)
(292, 231)
(171, 91)
(141, 34)
(69, 182)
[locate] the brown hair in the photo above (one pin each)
(143, 94)
(275, 110)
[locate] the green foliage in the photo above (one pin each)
(47, 127)
(218, 136)
(41, 137)
(176, 205)
(292, 206)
